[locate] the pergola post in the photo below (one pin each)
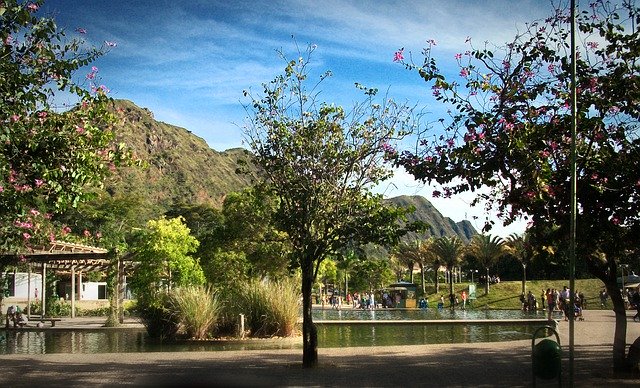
(73, 291)
(120, 290)
(44, 289)
(79, 285)
(29, 291)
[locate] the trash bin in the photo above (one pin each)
(546, 359)
(546, 356)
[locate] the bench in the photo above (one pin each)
(43, 320)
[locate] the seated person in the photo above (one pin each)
(21, 319)
(11, 316)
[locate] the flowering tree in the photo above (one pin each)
(320, 162)
(509, 130)
(47, 157)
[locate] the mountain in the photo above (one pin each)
(182, 168)
(438, 224)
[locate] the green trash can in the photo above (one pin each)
(546, 356)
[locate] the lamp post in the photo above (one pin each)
(472, 271)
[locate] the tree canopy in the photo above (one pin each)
(510, 131)
(321, 161)
(49, 155)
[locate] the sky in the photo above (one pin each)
(190, 61)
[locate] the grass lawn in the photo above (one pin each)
(506, 295)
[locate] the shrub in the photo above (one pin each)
(157, 317)
(270, 308)
(196, 308)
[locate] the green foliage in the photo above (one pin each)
(321, 161)
(196, 309)
(163, 251)
(271, 308)
(158, 318)
(48, 159)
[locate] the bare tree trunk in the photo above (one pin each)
(309, 331)
(620, 334)
(486, 284)
(524, 279)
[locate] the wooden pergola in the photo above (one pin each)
(73, 259)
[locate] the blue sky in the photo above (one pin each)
(189, 61)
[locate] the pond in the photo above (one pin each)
(375, 328)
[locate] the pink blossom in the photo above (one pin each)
(592, 45)
(458, 56)
(26, 235)
(81, 30)
(52, 237)
(34, 212)
(398, 55)
(39, 182)
(79, 129)
(98, 234)
(110, 43)
(66, 230)
(86, 233)
(464, 72)
(1, 189)
(32, 7)
(15, 118)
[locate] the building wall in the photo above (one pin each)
(21, 285)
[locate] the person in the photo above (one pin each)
(441, 302)
(603, 297)
(636, 304)
(452, 301)
(551, 302)
(464, 299)
(11, 316)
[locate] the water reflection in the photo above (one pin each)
(329, 335)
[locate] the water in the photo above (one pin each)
(424, 314)
(329, 335)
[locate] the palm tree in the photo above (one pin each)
(347, 262)
(519, 246)
(487, 250)
(423, 258)
(406, 254)
(449, 251)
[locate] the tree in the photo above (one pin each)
(486, 249)
(163, 250)
(321, 163)
(519, 246)
(510, 131)
(449, 251)
(407, 255)
(48, 159)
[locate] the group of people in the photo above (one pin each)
(15, 316)
(454, 301)
(362, 300)
(561, 301)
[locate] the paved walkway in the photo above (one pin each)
(504, 364)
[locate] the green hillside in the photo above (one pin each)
(182, 168)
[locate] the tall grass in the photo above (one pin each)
(271, 308)
(196, 308)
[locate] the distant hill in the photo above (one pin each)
(182, 168)
(439, 224)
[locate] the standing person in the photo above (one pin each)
(464, 299)
(452, 301)
(551, 303)
(636, 303)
